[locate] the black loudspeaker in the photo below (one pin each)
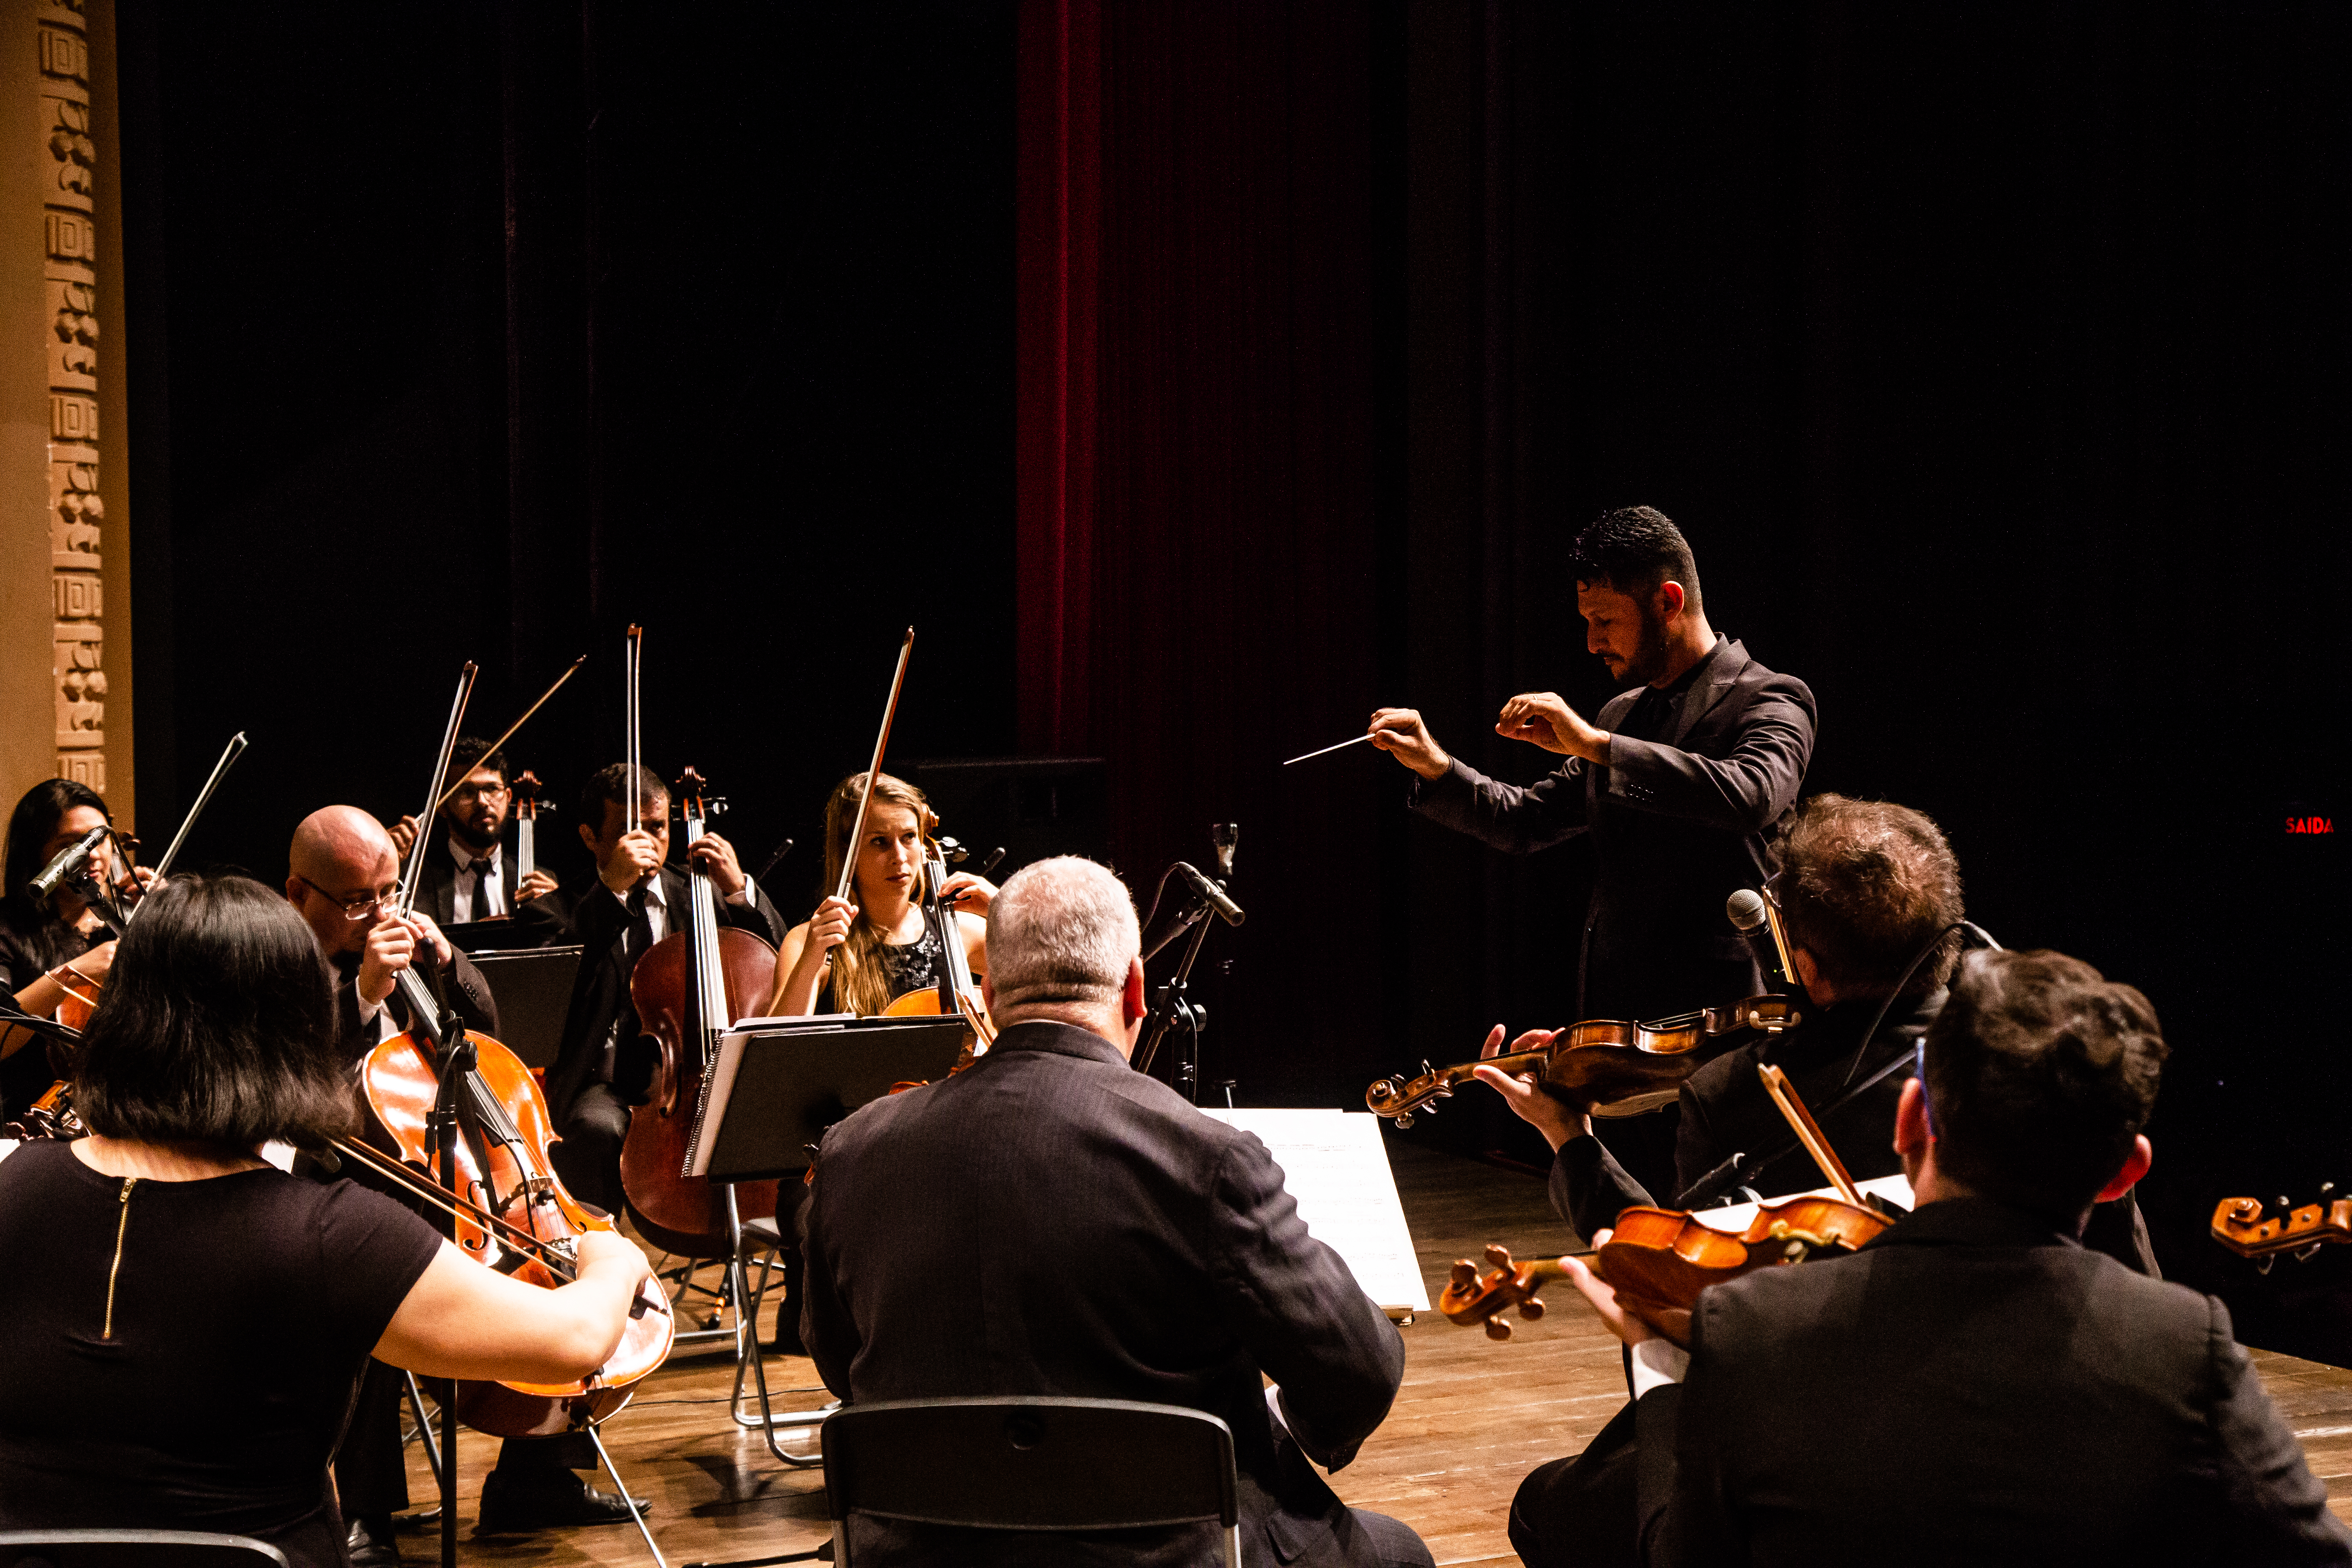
(1032, 807)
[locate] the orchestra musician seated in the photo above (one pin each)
(187, 1324)
(469, 876)
(1049, 1221)
(858, 957)
(2040, 1402)
(49, 948)
(605, 1059)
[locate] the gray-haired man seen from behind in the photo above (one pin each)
(1051, 1222)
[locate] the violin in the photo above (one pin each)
(955, 991)
(2239, 1225)
(1615, 1067)
(49, 1118)
(688, 989)
(1658, 1260)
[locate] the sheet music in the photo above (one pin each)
(1736, 1217)
(1337, 1170)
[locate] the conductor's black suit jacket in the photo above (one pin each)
(1972, 1387)
(600, 988)
(1051, 1222)
(1679, 820)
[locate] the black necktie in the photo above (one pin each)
(486, 875)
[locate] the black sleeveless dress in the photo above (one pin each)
(909, 966)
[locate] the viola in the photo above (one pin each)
(2239, 1225)
(512, 1213)
(1615, 1067)
(688, 989)
(1658, 1260)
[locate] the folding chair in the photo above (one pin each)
(134, 1549)
(1030, 1464)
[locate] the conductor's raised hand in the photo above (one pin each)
(716, 859)
(1401, 732)
(829, 927)
(1547, 720)
(1530, 1101)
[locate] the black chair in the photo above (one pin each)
(1030, 1464)
(134, 1549)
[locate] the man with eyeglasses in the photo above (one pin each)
(468, 877)
(343, 875)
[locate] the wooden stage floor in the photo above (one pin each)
(1472, 1418)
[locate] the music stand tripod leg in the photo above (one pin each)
(424, 1427)
(627, 1501)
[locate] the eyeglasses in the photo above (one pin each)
(354, 909)
(468, 793)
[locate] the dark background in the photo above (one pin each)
(1991, 361)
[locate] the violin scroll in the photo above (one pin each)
(1482, 1299)
(2239, 1225)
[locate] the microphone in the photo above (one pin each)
(1212, 894)
(1745, 911)
(68, 860)
(1751, 916)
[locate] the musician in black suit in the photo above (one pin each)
(2038, 1401)
(1103, 1239)
(1864, 886)
(604, 1061)
(468, 875)
(1677, 784)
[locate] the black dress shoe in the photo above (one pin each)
(422, 1519)
(547, 1502)
(371, 1544)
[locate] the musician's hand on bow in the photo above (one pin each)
(1603, 1300)
(430, 934)
(144, 877)
(1401, 732)
(829, 927)
(635, 858)
(1558, 1120)
(540, 882)
(1544, 719)
(94, 966)
(715, 858)
(403, 836)
(968, 894)
(391, 948)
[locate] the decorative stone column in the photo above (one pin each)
(59, 270)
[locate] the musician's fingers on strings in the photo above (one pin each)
(1493, 1042)
(1535, 1039)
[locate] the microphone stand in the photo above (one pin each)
(1172, 1007)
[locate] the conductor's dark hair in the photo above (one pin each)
(2041, 1072)
(610, 786)
(31, 825)
(217, 1025)
(1633, 550)
(472, 752)
(1863, 885)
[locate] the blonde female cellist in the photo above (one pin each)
(858, 954)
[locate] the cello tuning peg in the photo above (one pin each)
(2262, 1263)
(2283, 1205)
(2325, 1188)
(1426, 1068)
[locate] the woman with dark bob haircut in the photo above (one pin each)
(161, 1266)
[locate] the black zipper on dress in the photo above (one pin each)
(121, 1228)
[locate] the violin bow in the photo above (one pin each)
(433, 788)
(1809, 1132)
(881, 744)
(449, 1203)
(632, 660)
(229, 754)
(450, 794)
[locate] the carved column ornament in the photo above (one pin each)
(76, 503)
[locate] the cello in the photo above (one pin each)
(688, 989)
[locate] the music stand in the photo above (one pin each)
(773, 1087)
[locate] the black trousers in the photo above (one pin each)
(1583, 1510)
(588, 1158)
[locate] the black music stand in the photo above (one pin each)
(773, 1088)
